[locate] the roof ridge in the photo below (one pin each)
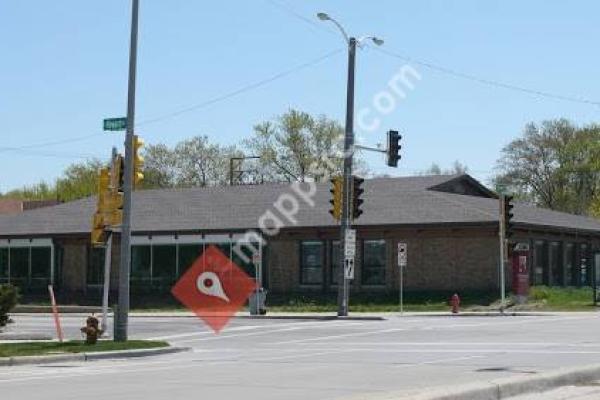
(463, 205)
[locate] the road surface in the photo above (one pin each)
(292, 359)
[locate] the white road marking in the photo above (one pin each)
(428, 328)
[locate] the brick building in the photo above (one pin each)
(14, 206)
(450, 224)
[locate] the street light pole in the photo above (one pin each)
(347, 181)
(343, 289)
(122, 313)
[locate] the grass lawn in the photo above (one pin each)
(75, 346)
(541, 298)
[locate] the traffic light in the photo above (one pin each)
(116, 196)
(138, 161)
(116, 176)
(507, 215)
(357, 192)
(99, 221)
(337, 191)
(393, 148)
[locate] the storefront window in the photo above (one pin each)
(95, 271)
(311, 262)
(539, 261)
(335, 261)
(141, 264)
(570, 264)
(19, 265)
(584, 266)
(556, 264)
(188, 253)
(41, 265)
(3, 265)
(373, 262)
(164, 264)
(248, 267)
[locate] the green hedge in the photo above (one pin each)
(9, 297)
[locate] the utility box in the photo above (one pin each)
(520, 272)
(257, 302)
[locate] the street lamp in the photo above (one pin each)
(352, 42)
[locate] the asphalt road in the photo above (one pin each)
(291, 359)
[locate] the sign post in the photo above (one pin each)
(59, 331)
(402, 263)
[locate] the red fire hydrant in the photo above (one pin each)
(455, 303)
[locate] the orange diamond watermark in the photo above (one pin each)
(214, 288)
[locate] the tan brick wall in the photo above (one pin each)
(74, 266)
(283, 268)
(444, 260)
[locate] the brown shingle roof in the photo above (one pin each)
(388, 201)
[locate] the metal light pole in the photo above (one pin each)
(346, 222)
(122, 313)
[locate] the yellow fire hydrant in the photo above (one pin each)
(91, 330)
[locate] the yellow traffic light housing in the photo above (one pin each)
(98, 238)
(336, 191)
(116, 176)
(138, 161)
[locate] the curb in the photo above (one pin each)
(105, 355)
(28, 309)
(312, 317)
(498, 389)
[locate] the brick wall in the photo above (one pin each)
(445, 260)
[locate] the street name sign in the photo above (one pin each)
(115, 124)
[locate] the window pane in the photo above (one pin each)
(3, 265)
(188, 253)
(555, 264)
(570, 264)
(247, 266)
(164, 264)
(19, 265)
(140, 264)
(95, 272)
(311, 262)
(539, 260)
(335, 261)
(584, 265)
(373, 266)
(41, 259)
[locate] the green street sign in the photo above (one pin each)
(115, 124)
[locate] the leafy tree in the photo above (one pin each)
(39, 191)
(457, 169)
(297, 146)
(79, 180)
(160, 167)
(554, 164)
(201, 163)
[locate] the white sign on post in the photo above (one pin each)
(349, 268)
(402, 254)
(350, 243)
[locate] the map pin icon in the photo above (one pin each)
(210, 284)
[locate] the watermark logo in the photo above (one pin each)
(214, 288)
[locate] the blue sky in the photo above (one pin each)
(64, 69)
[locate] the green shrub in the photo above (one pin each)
(9, 296)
